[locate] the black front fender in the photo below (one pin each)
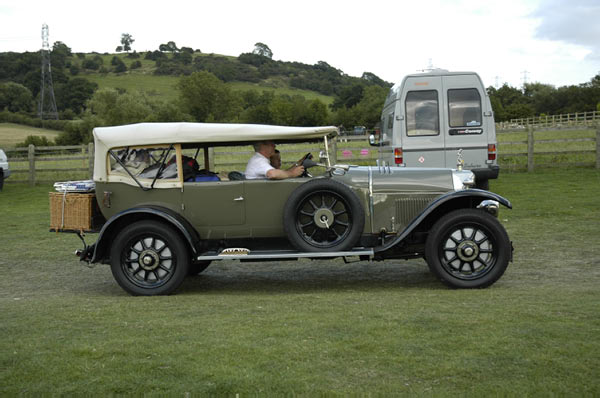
(468, 198)
(101, 249)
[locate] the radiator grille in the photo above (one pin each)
(408, 208)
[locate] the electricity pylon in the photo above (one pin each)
(47, 104)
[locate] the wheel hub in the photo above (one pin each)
(149, 260)
(324, 218)
(467, 250)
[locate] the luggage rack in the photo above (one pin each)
(265, 255)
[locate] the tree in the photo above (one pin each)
(74, 94)
(15, 97)
(119, 49)
(169, 47)
(262, 50)
(127, 40)
(207, 98)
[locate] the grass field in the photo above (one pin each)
(165, 86)
(312, 327)
(11, 134)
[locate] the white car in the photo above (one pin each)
(4, 170)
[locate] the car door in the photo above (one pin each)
(422, 140)
(215, 208)
(464, 130)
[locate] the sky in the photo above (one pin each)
(506, 41)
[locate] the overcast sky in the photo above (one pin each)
(549, 41)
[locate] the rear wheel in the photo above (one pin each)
(1, 179)
(149, 258)
(468, 248)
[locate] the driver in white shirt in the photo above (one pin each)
(260, 167)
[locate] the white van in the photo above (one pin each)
(440, 119)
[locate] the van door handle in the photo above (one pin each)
(241, 198)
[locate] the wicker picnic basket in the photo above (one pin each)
(74, 212)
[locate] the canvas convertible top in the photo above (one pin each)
(107, 138)
(180, 133)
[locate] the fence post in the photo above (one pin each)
(31, 157)
(598, 146)
(91, 160)
(211, 158)
(333, 151)
(530, 149)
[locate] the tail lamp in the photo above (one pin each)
(491, 151)
(398, 159)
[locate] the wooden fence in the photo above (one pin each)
(33, 161)
(553, 121)
(530, 153)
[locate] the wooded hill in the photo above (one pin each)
(182, 84)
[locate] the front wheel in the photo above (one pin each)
(468, 248)
(149, 258)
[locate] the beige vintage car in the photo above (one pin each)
(166, 219)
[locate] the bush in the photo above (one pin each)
(135, 65)
(118, 64)
(90, 64)
(35, 140)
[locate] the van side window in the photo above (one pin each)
(422, 115)
(464, 107)
(390, 122)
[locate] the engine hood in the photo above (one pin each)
(398, 179)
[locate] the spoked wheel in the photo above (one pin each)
(323, 215)
(468, 249)
(148, 258)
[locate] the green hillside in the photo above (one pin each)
(145, 78)
(164, 86)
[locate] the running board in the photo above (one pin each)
(286, 255)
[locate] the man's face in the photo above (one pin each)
(267, 148)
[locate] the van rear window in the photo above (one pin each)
(464, 107)
(422, 115)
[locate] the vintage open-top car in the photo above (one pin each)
(166, 219)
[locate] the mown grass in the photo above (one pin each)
(320, 327)
(12, 134)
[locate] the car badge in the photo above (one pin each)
(421, 159)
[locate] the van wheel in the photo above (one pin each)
(149, 258)
(323, 215)
(1, 179)
(468, 248)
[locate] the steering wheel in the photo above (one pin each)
(307, 162)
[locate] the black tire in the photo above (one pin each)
(468, 248)
(149, 258)
(198, 267)
(323, 215)
(1, 180)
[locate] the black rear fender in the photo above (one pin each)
(112, 227)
